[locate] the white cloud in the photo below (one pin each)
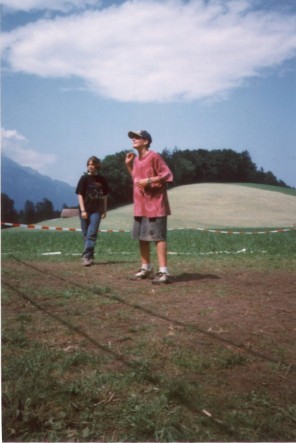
(145, 50)
(52, 5)
(9, 135)
(14, 146)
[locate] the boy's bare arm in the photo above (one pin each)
(104, 213)
(82, 207)
(129, 161)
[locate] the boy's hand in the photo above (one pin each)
(129, 158)
(142, 183)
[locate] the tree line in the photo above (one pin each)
(187, 166)
(30, 214)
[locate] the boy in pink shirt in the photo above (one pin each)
(150, 174)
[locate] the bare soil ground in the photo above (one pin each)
(250, 313)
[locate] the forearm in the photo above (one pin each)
(129, 162)
(105, 203)
(81, 203)
(156, 180)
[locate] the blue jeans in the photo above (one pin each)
(89, 229)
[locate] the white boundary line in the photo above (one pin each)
(216, 231)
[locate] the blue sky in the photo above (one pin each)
(77, 75)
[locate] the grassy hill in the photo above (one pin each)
(214, 205)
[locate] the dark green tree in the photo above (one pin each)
(119, 179)
(246, 168)
(270, 179)
(44, 210)
(8, 212)
(183, 168)
(188, 166)
(29, 213)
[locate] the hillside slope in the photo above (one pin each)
(221, 205)
(214, 205)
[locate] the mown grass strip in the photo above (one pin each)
(193, 242)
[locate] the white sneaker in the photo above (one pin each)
(161, 278)
(142, 274)
(86, 261)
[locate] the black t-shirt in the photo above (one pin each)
(93, 188)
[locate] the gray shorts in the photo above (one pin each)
(150, 229)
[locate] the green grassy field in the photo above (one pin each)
(89, 355)
(56, 245)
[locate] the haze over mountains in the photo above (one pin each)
(23, 183)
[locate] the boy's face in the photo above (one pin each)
(139, 142)
(92, 167)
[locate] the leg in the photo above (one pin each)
(161, 249)
(139, 232)
(145, 271)
(144, 245)
(145, 252)
(84, 227)
(92, 233)
(163, 275)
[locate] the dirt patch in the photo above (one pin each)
(249, 315)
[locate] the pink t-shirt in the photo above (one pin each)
(153, 200)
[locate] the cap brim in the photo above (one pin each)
(132, 134)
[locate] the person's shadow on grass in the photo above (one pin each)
(193, 276)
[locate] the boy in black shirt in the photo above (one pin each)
(92, 190)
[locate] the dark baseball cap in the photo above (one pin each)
(142, 133)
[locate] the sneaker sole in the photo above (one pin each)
(133, 278)
(86, 264)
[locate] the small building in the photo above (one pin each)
(69, 212)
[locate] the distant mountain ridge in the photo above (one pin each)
(23, 183)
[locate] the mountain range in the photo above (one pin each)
(22, 183)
